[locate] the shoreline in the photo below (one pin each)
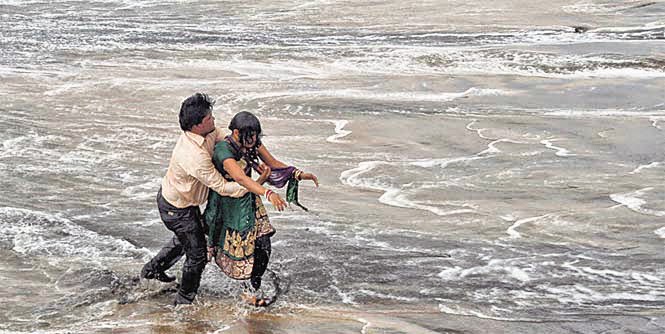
(153, 315)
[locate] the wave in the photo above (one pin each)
(459, 310)
(599, 7)
(642, 167)
(562, 283)
(604, 113)
(512, 230)
(368, 95)
(580, 294)
(57, 239)
(524, 63)
(336, 62)
(660, 232)
(492, 267)
(397, 195)
(632, 201)
(339, 131)
(560, 151)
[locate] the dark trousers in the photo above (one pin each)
(262, 252)
(189, 240)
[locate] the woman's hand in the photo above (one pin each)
(265, 173)
(309, 176)
(276, 201)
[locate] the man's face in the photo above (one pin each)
(207, 125)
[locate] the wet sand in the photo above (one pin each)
(227, 316)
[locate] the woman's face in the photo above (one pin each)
(250, 141)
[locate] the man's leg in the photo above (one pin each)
(172, 250)
(190, 235)
(165, 259)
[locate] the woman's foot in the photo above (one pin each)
(255, 300)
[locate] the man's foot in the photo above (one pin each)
(179, 301)
(160, 276)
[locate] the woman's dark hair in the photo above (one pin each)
(248, 125)
(194, 109)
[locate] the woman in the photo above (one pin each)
(239, 229)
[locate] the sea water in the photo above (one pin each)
(484, 166)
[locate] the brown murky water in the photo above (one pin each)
(483, 167)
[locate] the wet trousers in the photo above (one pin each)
(189, 240)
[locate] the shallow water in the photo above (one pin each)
(483, 167)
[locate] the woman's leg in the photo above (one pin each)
(262, 252)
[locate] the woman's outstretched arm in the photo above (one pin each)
(238, 175)
(272, 162)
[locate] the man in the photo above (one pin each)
(189, 176)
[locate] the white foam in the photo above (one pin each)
(286, 70)
(579, 294)
(509, 218)
(560, 151)
(618, 277)
(351, 176)
(632, 201)
(603, 134)
(366, 325)
(34, 233)
(339, 131)
(143, 191)
(531, 153)
(503, 267)
(32, 145)
(530, 65)
(603, 112)
(346, 297)
(642, 167)
(660, 232)
(395, 197)
(391, 195)
(364, 241)
(443, 162)
(646, 27)
(478, 131)
(512, 230)
(356, 94)
(592, 7)
(458, 310)
(222, 329)
(10, 143)
(385, 296)
(492, 149)
(655, 121)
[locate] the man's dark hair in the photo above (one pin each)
(248, 125)
(194, 109)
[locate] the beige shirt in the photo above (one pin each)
(191, 171)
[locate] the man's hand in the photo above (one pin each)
(265, 173)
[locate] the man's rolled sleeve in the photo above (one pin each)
(204, 171)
